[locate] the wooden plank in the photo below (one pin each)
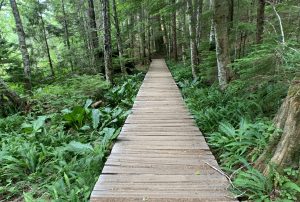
(160, 154)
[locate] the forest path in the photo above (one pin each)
(160, 154)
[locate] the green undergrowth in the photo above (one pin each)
(56, 151)
(237, 123)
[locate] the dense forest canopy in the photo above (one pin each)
(69, 72)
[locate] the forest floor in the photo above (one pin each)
(57, 149)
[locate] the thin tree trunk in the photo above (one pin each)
(280, 23)
(67, 35)
(142, 36)
(94, 37)
(212, 41)
(174, 31)
(107, 41)
(222, 41)
(193, 42)
(260, 21)
(159, 39)
(119, 37)
(166, 37)
(199, 22)
(149, 37)
(22, 45)
(184, 32)
(47, 46)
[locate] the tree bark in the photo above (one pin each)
(119, 37)
(174, 31)
(47, 46)
(22, 45)
(67, 34)
(222, 41)
(107, 41)
(193, 42)
(284, 151)
(212, 39)
(97, 56)
(199, 22)
(159, 40)
(260, 21)
(142, 36)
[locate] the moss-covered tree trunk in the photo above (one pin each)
(284, 151)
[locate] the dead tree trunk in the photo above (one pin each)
(22, 45)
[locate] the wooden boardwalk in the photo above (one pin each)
(160, 154)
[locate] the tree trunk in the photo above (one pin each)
(174, 31)
(119, 37)
(199, 22)
(94, 37)
(142, 36)
(159, 40)
(284, 151)
(47, 46)
(260, 21)
(193, 42)
(107, 41)
(212, 38)
(67, 35)
(22, 45)
(149, 37)
(222, 41)
(17, 101)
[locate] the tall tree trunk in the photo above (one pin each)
(97, 56)
(260, 21)
(47, 46)
(174, 31)
(193, 42)
(22, 45)
(17, 101)
(212, 38)
(222, 41)
(107, 41)
(167, 41)
(159, 39)
(199, 22)
(184, 32)
(142, 36)
(119, 37)
(231, 14)
(149, 37)
(67, 35)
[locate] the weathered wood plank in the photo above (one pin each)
(160, 155)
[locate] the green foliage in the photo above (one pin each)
(247, 141)
(58, 156)
(257, 187)
(237, 121)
